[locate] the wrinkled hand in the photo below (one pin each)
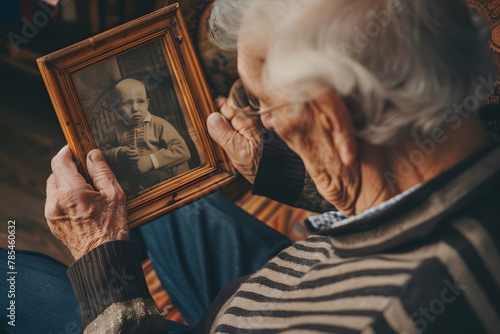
(240, 136)
(81, 216)
(144, 164)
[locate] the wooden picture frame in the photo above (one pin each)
(156, 51)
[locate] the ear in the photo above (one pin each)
(336, 119)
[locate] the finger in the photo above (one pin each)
(50, 207)
(52, 210)
(220, 129)
(132, 154)
(226, 110)
(50, 186)
(102, 177)
(219, 102)
(65, 170)
(248, 127)
(239, 121)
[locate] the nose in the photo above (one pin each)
(267, 121)
(135, 107)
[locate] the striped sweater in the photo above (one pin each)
(428, 264)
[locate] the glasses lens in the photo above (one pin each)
(242, 99)
(253, 101)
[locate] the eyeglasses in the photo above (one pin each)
(242, 100)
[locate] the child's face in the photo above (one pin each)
(132, 101)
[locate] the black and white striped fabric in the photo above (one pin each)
(429, 264)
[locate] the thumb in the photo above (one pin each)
(102, 176)
(219, 128)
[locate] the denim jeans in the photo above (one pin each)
(195, 251)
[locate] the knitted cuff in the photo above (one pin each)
(108, 274)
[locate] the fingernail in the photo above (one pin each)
(96, 156)
(215, 119)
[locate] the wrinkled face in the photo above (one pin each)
(308, 132)
(132, 102)
(288, 125)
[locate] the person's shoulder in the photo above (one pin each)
(434, 299)
(154, 117)
(161, 125)
(159, 121)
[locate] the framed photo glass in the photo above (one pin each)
(137, 92)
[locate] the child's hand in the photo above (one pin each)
(144, 164)
(126, 155)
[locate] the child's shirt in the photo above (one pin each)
(154, 137)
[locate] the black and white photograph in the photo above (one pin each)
(138, 118)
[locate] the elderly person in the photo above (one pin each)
(379, 101)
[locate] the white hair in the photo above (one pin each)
(399, 65)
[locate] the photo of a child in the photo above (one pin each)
(139, 119)
(144, 149)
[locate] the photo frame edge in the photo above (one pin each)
(61, 96)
